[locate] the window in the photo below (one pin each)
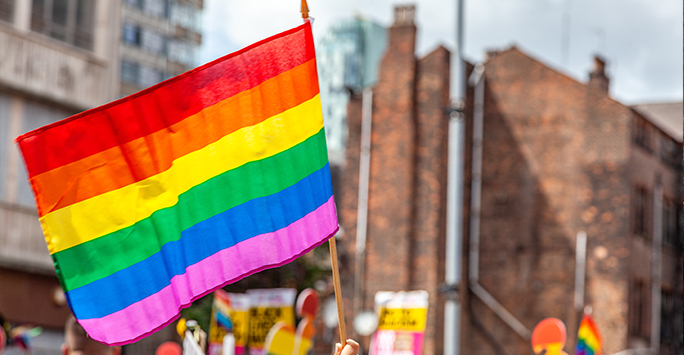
(669, 154)
(185, 16)
(131, 34)
(130, 72)
(140, 75)
(679, 234)
(83, 33)
(182, 53)
(150, 76)
(152, 41)
(641, 204)
(670, 323)
(134, 3)
(352, 71)
(70, 21)
(6, 10)
(639, 323)
(157, 8)
(642, 134)
(669, 223)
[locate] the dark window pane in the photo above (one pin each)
(59, 29)
(149, 76)
(640, 211)
(59, 32)
(38, 15)
(131, 34)
(671, 323)
(134, 3)
(642, 134)
(129, 72)
(152, 41)
(70, 21)
(669, 153)
(6, 10)
(679, 233)
(638, 320)
(84, 15)
(669, 221)
(155, 8)
(59, 12)
(83, 33)
(83, 39)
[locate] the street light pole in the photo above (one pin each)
(454, 210)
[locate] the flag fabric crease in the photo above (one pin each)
(156, 199)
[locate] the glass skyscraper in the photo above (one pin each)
(348, 58)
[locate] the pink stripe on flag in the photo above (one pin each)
(257, 253)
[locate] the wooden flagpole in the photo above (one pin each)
(338, 290)
(333, 248)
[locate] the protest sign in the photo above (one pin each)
(239, 315)
(220, 324)
(268, 307)
(401, 323)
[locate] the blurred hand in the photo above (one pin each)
(351, 348)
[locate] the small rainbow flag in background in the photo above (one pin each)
(588, 337)
(154, 200)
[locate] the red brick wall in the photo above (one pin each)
(428, 236)
(392, 167)
(555, 161)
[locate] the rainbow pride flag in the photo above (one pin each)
(154, 200)
(588, 337)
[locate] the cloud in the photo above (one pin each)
(642, 40)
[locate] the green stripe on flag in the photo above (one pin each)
(101, 257)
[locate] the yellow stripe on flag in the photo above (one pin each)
(121, 208)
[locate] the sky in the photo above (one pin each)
(640, 39)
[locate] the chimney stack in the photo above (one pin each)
(404, 15)
(402, 35)
(598, 78)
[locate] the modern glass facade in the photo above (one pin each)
(348, 57)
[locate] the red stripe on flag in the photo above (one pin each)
(108, 126)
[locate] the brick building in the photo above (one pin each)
(560, 157)
(407, 182)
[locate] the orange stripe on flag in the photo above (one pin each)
(110, 169)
